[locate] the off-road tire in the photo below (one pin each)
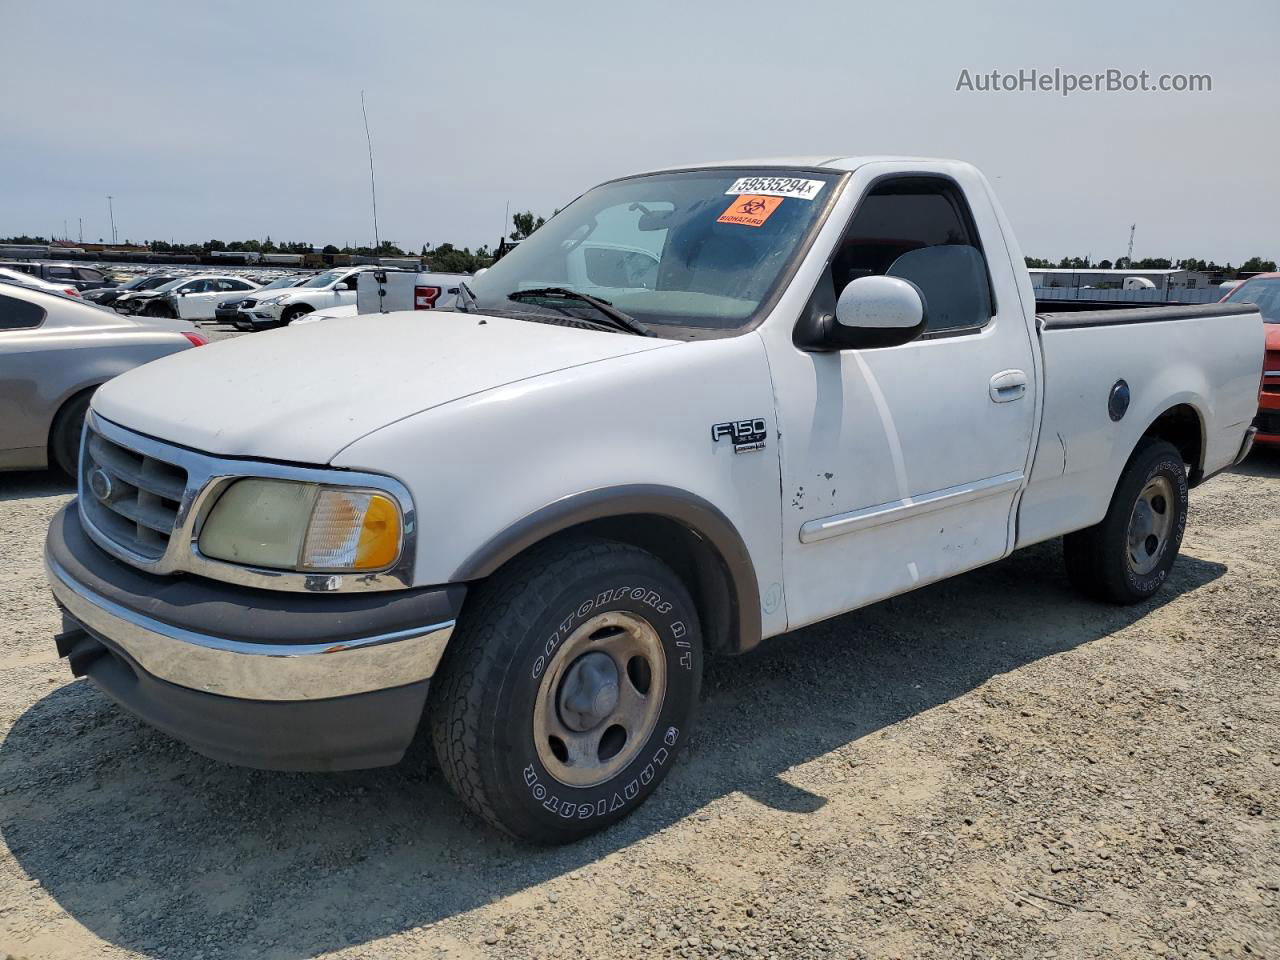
(293, 313)
(64, 437)
(483, 698)
(1097, 558)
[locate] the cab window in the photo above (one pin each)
(920, 229)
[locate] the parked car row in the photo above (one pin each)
(55, 350)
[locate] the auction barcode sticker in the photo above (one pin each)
(777, 187)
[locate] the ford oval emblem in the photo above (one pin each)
(100, 484)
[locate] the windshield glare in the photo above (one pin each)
(279, 282)
(324, 279)
(1263, 291)
(693, 249)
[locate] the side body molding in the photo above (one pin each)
(698, 516)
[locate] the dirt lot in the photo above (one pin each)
(989, 767)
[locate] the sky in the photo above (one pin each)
(237, 120)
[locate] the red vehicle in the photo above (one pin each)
(1264, 290)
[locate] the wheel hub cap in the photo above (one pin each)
(1150, 525)
(599, 699)
(589, 692)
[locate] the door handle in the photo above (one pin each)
(1008, 385)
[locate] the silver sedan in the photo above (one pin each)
(54, 352)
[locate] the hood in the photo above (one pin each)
(139, 294)
(1273, 335)
(304, 393)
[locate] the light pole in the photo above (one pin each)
(112, 213)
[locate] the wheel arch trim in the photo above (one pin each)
(697, 515)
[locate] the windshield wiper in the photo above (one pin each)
(618, 319)
(467, 296)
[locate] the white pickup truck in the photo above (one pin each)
(784, 390)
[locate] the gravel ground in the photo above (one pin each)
(989, 767)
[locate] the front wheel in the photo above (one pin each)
(293, 313)
(567, 690)
(1127, 557)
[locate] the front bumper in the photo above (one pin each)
(250, 676)
(263, 314)
(1268, 419)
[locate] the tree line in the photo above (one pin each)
(444, 257)
(447, 258)
(1252, 265)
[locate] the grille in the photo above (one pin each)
(1268, 422)
(246, 304)
(132, 499)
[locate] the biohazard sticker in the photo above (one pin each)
(750, 211)
(798, 187)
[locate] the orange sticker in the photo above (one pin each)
(750, 211)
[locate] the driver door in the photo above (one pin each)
(901, 465)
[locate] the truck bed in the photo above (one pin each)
(1199, 364)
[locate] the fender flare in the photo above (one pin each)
(700, 517)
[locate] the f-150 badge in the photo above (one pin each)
(746, 435)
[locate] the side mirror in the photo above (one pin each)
(879, 312)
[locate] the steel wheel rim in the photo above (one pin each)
(1150, 525)
(584, 733)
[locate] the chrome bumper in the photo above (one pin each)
(253, 671)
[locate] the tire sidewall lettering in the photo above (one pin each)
(603, 601)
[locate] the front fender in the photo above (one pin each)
(695, 514)
(494, 472)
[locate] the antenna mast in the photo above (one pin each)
(373, 186)
(1129, 257)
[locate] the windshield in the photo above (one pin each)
(703, 248)
(1264, 291)
(172, 284)
(279, 282)
(324, 279)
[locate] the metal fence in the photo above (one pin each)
(1176, 295)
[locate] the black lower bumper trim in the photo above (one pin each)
(343, 733)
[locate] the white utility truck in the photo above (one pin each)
(389, 291)
(698, 408)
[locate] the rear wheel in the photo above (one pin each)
(1127, 557)
(567, 690)
(293, 313)
(64, 438)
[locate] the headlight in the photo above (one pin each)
(279, 299)
(286, 525)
